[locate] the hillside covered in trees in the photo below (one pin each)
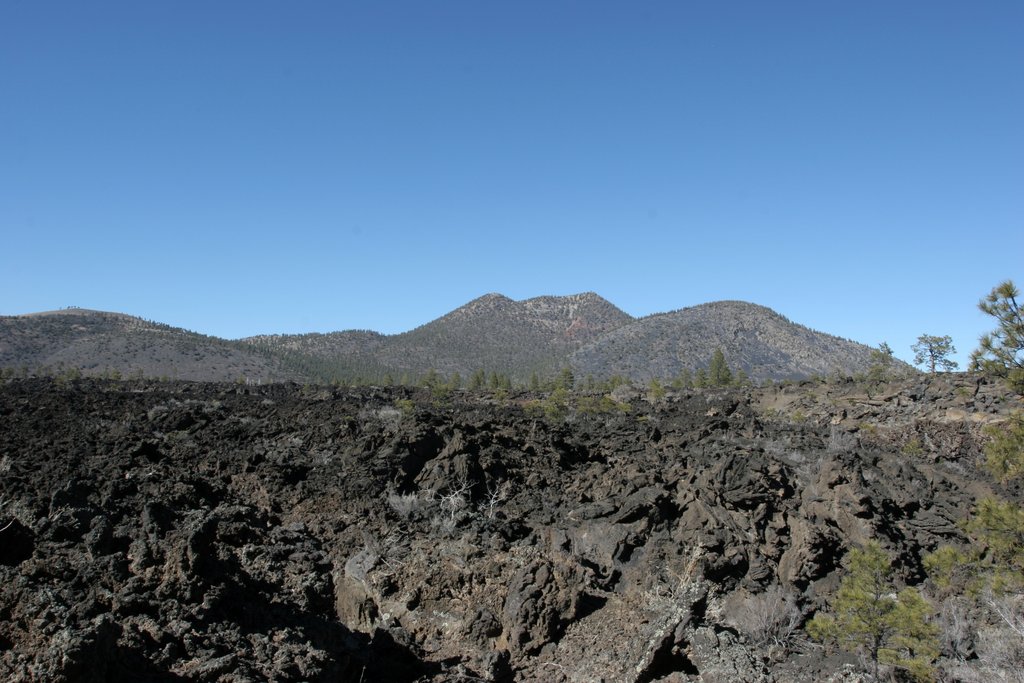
(517, 341)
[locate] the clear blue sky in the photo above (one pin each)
(251, 166)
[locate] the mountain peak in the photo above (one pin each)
(754, 338)
(491, 297)
(84, 312)
(482, 306)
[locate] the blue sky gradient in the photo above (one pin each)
(249, 167)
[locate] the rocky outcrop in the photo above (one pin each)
(182, 532)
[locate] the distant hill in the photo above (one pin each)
(324, 357)
(492, 333)
(98, 343)
(753, 338)
(496, 333)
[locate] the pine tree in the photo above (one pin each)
(557, 404)
(870, 618)
(719, 374)
(534, 382)
(684, 380)
(934, 352)
(994, 560)
(431, 379)
(1001, 352)
(656, 390)
(881, 362)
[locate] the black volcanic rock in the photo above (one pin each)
(285, 534)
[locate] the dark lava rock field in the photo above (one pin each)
(167, 531)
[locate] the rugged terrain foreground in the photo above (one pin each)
(160, 531)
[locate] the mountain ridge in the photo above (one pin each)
(518, 338)
(753, 337)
